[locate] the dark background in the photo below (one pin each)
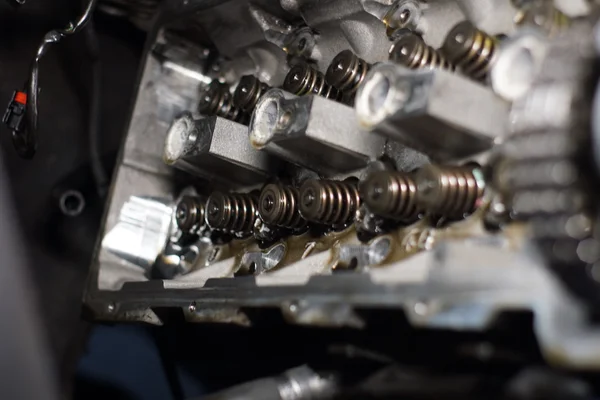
(58, 248)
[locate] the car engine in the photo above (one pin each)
(328, 162)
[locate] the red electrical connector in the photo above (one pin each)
(15, 112)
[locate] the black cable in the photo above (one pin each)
(98, 169)
(25, 141)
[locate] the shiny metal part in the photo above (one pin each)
(365, 255)
(442, 114)
(517, 64)
(279, 206)
(543, 15)
(215, 99)
(300, 383)
(431, 20)
(178, 259)
(215, 148)
(141, 232)
(449, 191)
(411, 51)
(247, 93)
(471, 50)
(329, 202)
(258, 262)
(304, 79)
(391, 194)
(346, 72)
(233, 213)
(311, 131)
(189, 213)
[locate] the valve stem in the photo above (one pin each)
(278, 205)
(189, 214)
(304, 79)
(215, 99)
(470, 49)
(232, 213)
(346, 72)
(329, 202)
(449, 191)
(544, 16)
(248, 92)
(391, 194)
(411, 51)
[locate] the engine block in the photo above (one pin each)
(327, 158)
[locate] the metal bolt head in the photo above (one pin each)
(341, 68)
(215, 212)
(270, 203)
(297, 78)
(189, 213)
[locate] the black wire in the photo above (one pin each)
(26, 142)
(98, 169)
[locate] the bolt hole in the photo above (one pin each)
(72, 203)
(252, 268)
(353, 263)
(302, 44)
(404, 16)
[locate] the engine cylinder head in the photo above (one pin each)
(329, 202)
(449, 191)
(249, 90)
(411, 51)
(470, 49)
(304, 80)
(189, 213)
(346, 72)
(278, 205)
(232, 213)
(215, 99)
(391, 194)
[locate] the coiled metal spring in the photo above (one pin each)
(329, 202)
(346, 72)
(470, 49)
(391, 194)
(544, 16)
(278, 205)
(304, 79)
(189, 213)
(449, 191)
(248, 92)
(232, 213)
(411, 51)
(216, 99)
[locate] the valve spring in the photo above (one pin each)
(470, 49)
(449, 191)
(233, 213)
(411, 51)
(304, 79)
(248, 93)
(329, 202)
(544, 16)
(189, 214)
(391, 194)
(278, 205)
(216, 99)
(346, 72)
